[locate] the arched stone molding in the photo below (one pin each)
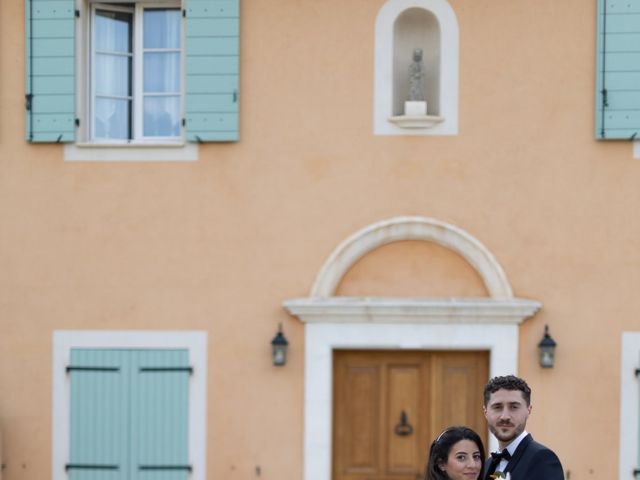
(448, 74)
(331, 323)
(411, 228)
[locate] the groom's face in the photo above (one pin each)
(507, 413)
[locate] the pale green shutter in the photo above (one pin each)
(50, 70)
(618, 70)
(160, 414)
(99, 427)
(129, 414)
(212, 70)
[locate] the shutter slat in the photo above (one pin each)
(212, 61)
(50, 70)
(618, 70)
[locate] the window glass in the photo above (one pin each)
(112, 118)
(161, 72)
(113, 31)
(162, 28)
(162, 116)
(112, 74)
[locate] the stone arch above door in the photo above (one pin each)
(345, 255)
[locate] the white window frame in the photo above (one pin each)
(86, 149)
(193, 341)
(629, 405)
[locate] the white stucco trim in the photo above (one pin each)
(629, 405)
(187, 152)
(411, 228)
(449, 66)
(194, 341)
(636, 149)
(411, 310)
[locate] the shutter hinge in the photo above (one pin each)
(184, 13)
(184, 122)
(637, 372)
(636, 472)
(167, 369)
(28, 100)
(77, 13)
(235, 96)
(633, 137)
(76, 368)
(77, 122)
(605, 100)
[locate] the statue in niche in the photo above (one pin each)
(416, 77)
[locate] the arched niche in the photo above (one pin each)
(330, 322)
(401, 26)
(416, 28)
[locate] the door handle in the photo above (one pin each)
(403, 428)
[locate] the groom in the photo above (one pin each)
(507, 405)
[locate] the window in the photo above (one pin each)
(129, 403)
(136, 73)
(151, 72)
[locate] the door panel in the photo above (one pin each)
(389, 405)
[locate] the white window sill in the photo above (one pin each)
(131, 152)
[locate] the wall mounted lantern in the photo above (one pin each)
(279, 346)
(547, 348)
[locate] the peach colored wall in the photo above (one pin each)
(218, 244)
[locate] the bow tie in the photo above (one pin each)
(497, 456)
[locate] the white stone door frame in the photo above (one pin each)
(332, 323)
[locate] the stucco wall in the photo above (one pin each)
(217, 244)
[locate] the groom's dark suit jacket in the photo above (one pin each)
(531, 461)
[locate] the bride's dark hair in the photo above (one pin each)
(441, 447)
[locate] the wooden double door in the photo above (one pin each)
(389, 406)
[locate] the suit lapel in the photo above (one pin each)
(517, 455)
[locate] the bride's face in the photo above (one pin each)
(464, 461)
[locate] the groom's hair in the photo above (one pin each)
(508, 382)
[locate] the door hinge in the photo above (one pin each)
(28, 100)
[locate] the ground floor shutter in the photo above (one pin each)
(129, 414)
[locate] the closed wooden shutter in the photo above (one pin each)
(618, 70)
(98, 414)
(159, 404)
(129, 414)
(50, 70)
(212, 70)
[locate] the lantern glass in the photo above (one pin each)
(547, 347)
(547, 357)
(279, 354)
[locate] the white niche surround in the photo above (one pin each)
(489, 323)
(402, 25)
